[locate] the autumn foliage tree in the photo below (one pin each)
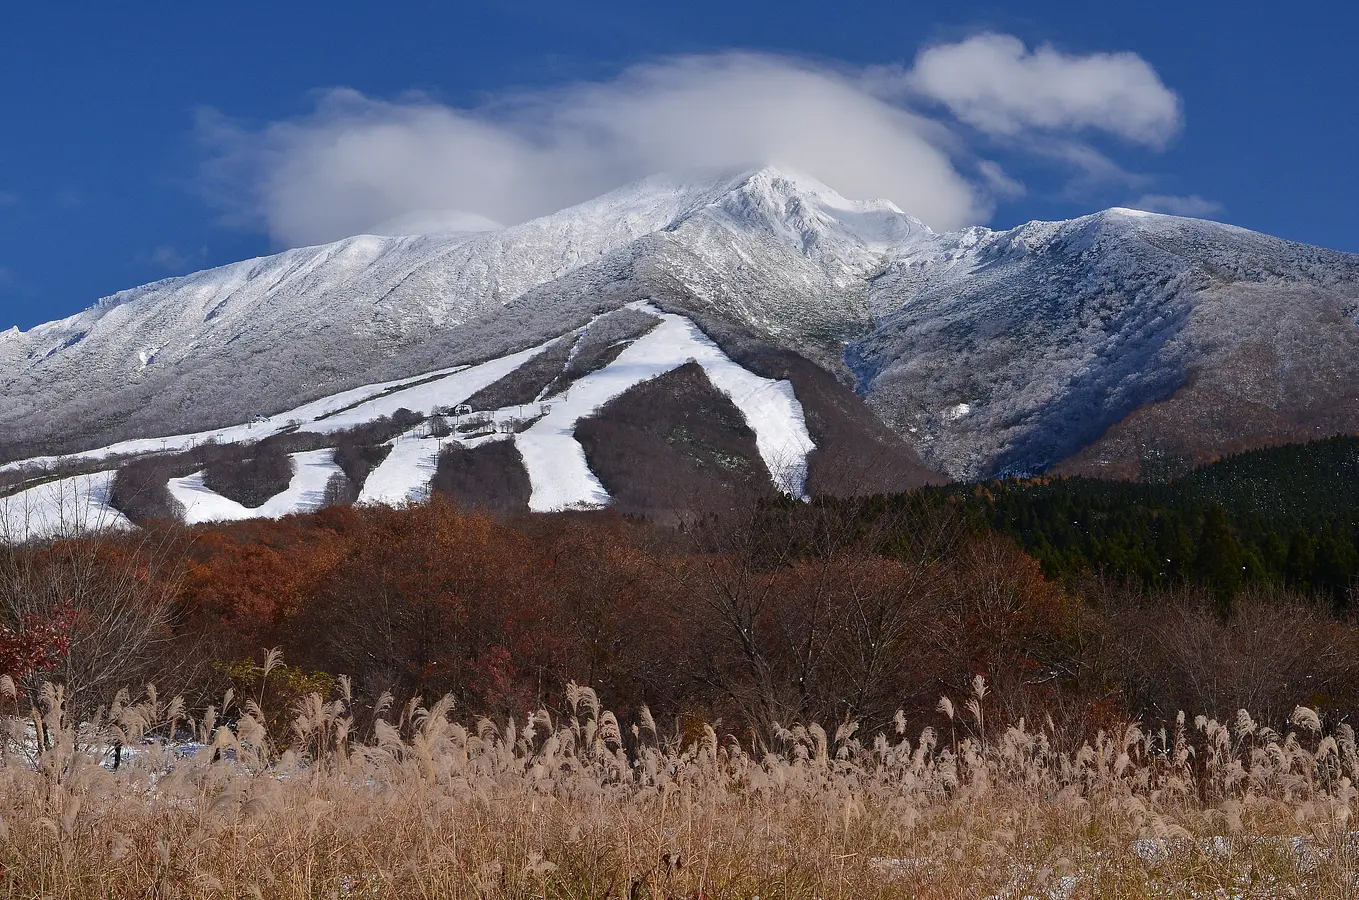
(95, 613)
(781, 611)
(36, 644)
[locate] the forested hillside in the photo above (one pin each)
(1285, 515)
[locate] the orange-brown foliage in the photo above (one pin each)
(796, 614)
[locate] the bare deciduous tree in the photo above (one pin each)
(115, 593)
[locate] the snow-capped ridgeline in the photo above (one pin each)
(441, 277)
(558, 472)
(851, 234)
(988, 350)
(1009, 351)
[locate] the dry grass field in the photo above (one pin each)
(427, 802)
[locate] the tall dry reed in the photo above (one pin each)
(426, 803)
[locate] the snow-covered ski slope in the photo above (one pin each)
(306, 492)
(63, 507)
(258, 429)
(556, 464)
(555, 460)
(988, 351)
(404, 476)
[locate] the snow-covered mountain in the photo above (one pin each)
(1102, 344)
(1019, 350)
(788, 256)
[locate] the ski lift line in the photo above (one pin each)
(570, 358)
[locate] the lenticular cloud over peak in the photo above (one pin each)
(356, 161)
(363, 164)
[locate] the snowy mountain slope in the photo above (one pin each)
(254, 430)
(209, 349)
(59, 508)
(1095, 341)
(1012, 351)
(1274, 363)
(555, 464)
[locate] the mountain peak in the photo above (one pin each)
(1134, 213)
(792, 181)
(812, 214)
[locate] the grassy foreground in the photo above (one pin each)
(425, 803)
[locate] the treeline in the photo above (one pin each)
(1094, 602)
(786, 612)
(1284, 516)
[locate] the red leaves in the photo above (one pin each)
(36, 644)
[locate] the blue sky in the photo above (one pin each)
(147, 140)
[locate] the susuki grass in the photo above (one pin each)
(429, 803)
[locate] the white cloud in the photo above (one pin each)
(994, 83)
(435, 221)
(1193, 206)
(359, 164)
(1000, 183)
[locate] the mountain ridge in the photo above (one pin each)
(987, 351)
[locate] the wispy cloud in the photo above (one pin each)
(171, 259)
(358, 163)
(1193, 206)
(1001, 184)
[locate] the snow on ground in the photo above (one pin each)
(424, 398)
(234, 434)
(556, 464)
(306, 492)
(405, 474)
(60, 508)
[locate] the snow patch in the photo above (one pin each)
(306, 492)
(954, 413)
(60, 508)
